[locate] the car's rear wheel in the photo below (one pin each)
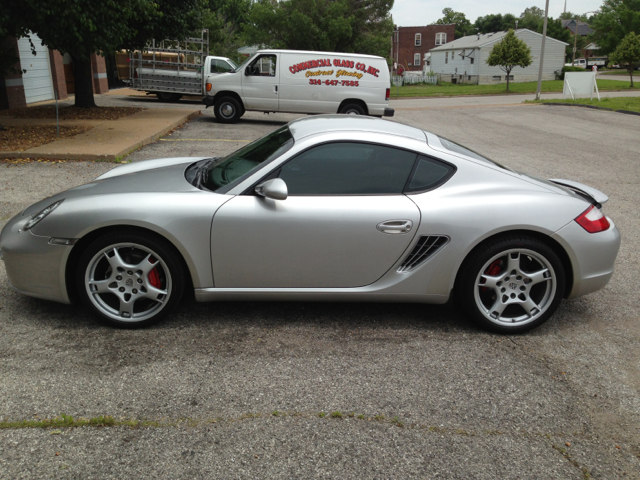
(130, 279)
(511, 284)
(352, 109)
(227, 110)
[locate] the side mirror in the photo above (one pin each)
(275, 189)
(246, 71)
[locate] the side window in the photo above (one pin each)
(220, 66)
(416, 59)
(346, 168)
(263, 66)
(429, 174)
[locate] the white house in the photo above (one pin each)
(465, 59)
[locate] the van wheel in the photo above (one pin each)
(168, 97)
(352, 109)
(227, 110)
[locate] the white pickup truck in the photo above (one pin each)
(297, 81)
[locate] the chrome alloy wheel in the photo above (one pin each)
(515, 287)
(128, 282)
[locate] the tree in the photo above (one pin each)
(83, 27)
(463, 26)
(627, 53)
(572, 16)
(532, 18)
(226, 20)
(508, 53)
(362, 26)
(616, 19)
(495, 23)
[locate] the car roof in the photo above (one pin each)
(306, 126)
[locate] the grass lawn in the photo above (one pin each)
(617, 72)
(613, 103)
(464, 89)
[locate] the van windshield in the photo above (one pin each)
(242, 65)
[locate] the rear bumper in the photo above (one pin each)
(389, 112)
(592, 256)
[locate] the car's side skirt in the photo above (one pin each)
(313, 294)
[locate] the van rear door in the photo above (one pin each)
(260, 81)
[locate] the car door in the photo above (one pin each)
(344, 223)
(260, 83)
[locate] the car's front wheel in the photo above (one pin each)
(130, 279)
(511, 284)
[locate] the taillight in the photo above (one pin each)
(592, 220)
(387, 95)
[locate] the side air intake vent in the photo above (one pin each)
(426, 247)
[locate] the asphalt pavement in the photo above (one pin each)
(333, 390)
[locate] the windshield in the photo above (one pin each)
(247, 159)
(457, 148)
(246, 61)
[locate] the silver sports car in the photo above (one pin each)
(325, 208)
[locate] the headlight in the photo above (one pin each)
(39, 216)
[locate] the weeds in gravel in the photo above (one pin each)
(336, 414)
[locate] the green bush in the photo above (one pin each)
(570, 69)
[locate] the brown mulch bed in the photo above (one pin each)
(18, 139)
(72, 113)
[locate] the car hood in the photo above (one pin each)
(149, 176)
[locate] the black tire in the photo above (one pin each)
(525, 282)
(130, 279)
(228, 110)
(168, 97)
(352, 109)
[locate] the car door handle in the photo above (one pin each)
(395, 226)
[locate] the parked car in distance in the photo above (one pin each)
(332, 208)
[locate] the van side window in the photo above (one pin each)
(263, 66)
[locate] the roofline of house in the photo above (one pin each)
(489, 42)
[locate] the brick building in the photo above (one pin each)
(411, 43)
(48, 74)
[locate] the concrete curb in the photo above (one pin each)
(628, 112)
(128, 148)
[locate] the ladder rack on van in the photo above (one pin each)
(159, 68)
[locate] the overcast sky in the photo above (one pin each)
(409, 13)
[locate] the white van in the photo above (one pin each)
(297, 81)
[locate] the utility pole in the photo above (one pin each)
(575, 42)
(544, 37)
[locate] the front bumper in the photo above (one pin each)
(34, 266)
(592, 256)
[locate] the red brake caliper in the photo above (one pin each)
(154, 277)
(493, 270)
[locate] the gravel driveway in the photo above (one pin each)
(329, 390)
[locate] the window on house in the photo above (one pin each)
(446, 57)
(471, 60)
(441, 38)
(418, 39)
(496, 78)
(510, 77)
(416, 59)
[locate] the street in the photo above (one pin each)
(340, 390)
